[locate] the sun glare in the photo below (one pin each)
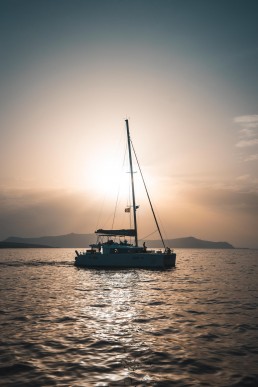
(109, 181)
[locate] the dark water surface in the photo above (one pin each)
(195, 325)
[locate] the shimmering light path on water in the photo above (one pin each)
(190, 326)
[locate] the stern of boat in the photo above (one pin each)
(170, 260)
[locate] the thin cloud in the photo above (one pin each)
(241, 197)
(243, 177)
(247, 135)
(252, 158)
(247, 143)
(247, 132)
(250, 121)
(48, 212)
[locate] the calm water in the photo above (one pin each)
(195, 325)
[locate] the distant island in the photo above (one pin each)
(83, 240)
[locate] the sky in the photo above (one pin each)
(185, 74)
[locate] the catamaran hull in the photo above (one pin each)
(126, 260)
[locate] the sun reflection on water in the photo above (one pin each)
(115, 315)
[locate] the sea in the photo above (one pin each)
(193, 325)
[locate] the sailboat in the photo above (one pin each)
(110, 251)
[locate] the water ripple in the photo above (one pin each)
(195, 325)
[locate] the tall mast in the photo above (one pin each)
(152, 209)
(132, 182)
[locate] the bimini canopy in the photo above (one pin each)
(128, 232)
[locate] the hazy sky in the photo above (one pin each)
(185, 73)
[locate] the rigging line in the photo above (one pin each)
(152, 209)
(146, 236)
(100, 213)
(113, 221)
(166, 239)
(107, 220)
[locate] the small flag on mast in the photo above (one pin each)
(128, 209)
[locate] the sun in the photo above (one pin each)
(109, 181)
(105, 175)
